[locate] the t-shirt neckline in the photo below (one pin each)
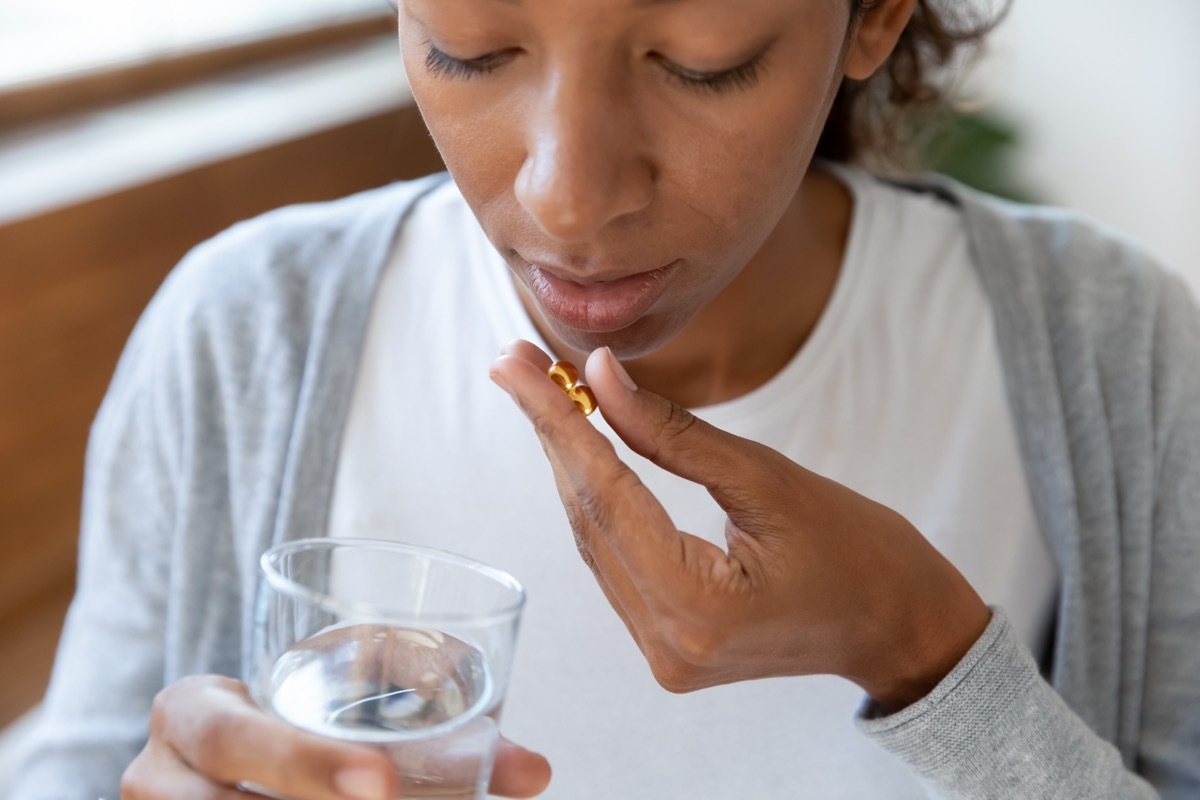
(804, 367)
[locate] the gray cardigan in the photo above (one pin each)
(220, 431)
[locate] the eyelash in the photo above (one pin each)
(743, 76)
(439, 64)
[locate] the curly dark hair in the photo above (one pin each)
(883, 120)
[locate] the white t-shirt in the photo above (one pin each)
(898, 394)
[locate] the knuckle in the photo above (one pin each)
(175, 701)
(160, 711)
(592, 506)
(674, 424)
(553, 423)
(676, 421)
(672, 683)
(595, 497)
(576, 518)
(696, 644)
(674, 675)
(132, 784)
(210, 738)
(578, 521)
(624, 480)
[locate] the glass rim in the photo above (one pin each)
(268, 567)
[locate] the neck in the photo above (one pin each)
(746, 334)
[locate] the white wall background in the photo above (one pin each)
(1106, 94)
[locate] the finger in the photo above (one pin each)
(528, 351)
(518, 772)
(608, 570)
(649, 597)
(159, 774)
(217, 730)
(616, 585)
(610, 496)
(674, 438)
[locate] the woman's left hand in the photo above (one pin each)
(817, 578)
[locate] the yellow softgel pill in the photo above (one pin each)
(566, 377)
(564, 374)
(583, 398)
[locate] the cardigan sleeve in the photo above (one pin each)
(993, 728)
(94, 718)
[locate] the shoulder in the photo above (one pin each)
(243, 313)
(1109, 325)
(291, 257)
(1052, 249)
(1086, 282)
(280, 277)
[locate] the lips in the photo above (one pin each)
(597, 306)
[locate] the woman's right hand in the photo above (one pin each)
(207, 735)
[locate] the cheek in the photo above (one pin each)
(476, 141)
(743, 158)
(736, 182)
(744, 168)
(466, 147)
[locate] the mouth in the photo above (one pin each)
(598, 304)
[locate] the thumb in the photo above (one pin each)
(671, 436)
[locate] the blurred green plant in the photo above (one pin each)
(978, 149)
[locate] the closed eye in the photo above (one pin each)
(743, 76)
(440, 63)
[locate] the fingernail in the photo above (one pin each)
(359, 783)
(620, 372)
(496, 378)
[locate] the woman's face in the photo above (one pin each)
(626, 157)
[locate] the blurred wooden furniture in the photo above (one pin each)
(27, 104)
(72, 284)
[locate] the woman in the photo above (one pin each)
(1000, 399)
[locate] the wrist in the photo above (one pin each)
(921, 658)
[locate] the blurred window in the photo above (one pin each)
(47, 39)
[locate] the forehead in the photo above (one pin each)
(612, 6)
(580, 24)
(629, 3)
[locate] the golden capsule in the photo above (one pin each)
(583, 399)
(564, 374)
(566, 377)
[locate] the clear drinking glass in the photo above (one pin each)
(400, 647)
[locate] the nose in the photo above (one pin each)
(585, 164)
